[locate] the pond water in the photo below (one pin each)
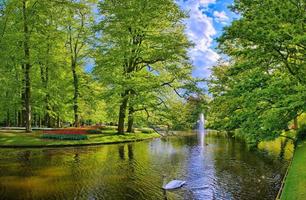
(222, 168)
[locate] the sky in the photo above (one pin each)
(207, 18)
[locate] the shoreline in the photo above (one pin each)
(72, 145)
(22, 140)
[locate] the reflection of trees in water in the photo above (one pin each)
(24, 159)
(77, 158)
(134, 171)
(245, 174)
(130, 151)
(121, 151)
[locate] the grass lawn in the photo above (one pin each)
(21, 139)
(295, 185)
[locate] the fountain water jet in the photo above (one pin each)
(201, 129)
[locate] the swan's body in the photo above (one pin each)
(174, 184)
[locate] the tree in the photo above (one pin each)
(262, 89)
(35, 52)
(79, 19)
(140, 42)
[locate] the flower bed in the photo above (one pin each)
(68, 131)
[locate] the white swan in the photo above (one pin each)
(174, 184)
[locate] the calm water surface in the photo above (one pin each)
(220, 169)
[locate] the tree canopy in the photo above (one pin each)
(64, 62)
(261, 88)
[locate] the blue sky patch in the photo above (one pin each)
(206, 21)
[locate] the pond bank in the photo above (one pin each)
(295, 182)
(32, 140)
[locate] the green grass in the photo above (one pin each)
(295, 185)
(20, 139)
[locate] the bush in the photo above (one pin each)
(301, 133)
(146, 130)
(64, 137)
(109, 128)
(94, 131)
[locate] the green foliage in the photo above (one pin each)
(109, 128)
(145, 130)
(64, 137)
(138, 50)
(56, 29)
(182, 115)
(262, 88)
(142, 55)
(301, 133)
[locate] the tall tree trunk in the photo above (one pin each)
(15, 118)
(76, 94)
(27, 68)
(39, 121)
(44, 73)
(8, 120)
(122, 111)
(130, 120)
(58, 121)
(23, 110)
(35, 120)
(20, 118)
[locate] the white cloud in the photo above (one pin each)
(220, 17)
(200, 30)
(206, 2)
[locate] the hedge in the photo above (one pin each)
(64, 137)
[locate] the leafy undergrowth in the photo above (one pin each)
(296, 180)
(34, 139)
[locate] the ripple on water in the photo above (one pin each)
(222, 170)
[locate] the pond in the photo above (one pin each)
(219, 168)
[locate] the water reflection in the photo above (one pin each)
(223, 169)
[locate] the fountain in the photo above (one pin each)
(201, 129)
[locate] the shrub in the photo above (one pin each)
(94, 131)
(109, 128)
(64, 137)
(145, 130)
(301, 132)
